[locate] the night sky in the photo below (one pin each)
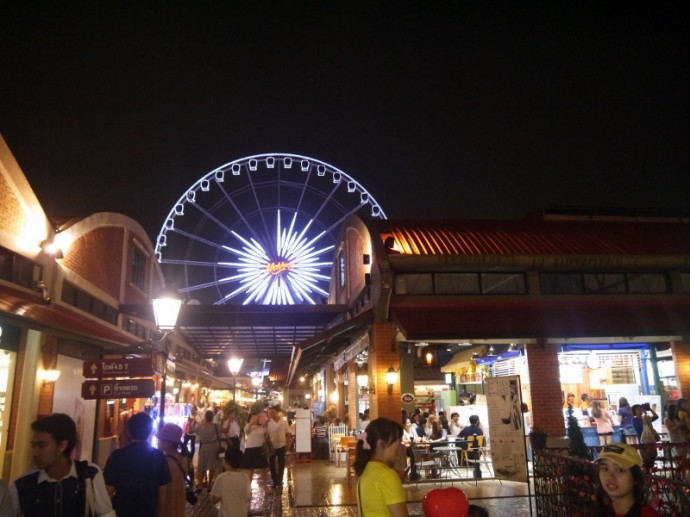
(446, 110)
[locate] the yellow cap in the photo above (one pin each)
(621, 454)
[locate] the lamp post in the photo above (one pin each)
(166, 308)
(234, 365)
(257, 382)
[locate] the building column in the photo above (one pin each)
(680, 351)
(352, 394)
(384, 353)
(545, 388)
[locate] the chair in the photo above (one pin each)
(464, 456)
(350, 455)
(333, 430)
(345, 443)
(484, 455)
(333, 442)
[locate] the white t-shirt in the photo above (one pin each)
(277, 431)
(235, 492)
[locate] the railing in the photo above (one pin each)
(567, 486)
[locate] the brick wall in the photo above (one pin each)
(11, 214)
(97, 258)
(545, 388)
(384, 353)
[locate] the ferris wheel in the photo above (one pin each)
(260, 230)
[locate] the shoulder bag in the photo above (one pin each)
(267, 448)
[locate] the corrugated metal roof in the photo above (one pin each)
(530, 237)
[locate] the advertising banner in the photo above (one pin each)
(508, 445)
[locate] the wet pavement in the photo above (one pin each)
(321, 489)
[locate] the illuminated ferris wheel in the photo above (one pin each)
(260, 230)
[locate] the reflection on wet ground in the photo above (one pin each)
(320, 489)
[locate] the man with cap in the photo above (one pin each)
(136, 474)
(622, 482)
(173, 499)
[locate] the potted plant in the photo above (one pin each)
(537, 438)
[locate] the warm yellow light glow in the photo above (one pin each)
(429, 358)
(51, 375)
(334, 396)
(362, 380)
(256, 381)
(234, 365)
(391, 376)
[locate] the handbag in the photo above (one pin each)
(189, 493)
(267, 448)
(649, 434)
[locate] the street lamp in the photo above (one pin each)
(166, 308)
(234, 365)
(256, 382)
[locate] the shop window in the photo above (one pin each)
(647, 283)
(134, 328)
(87, 303)
(503, 283)
(456, 283)
(413, 284)
(605, 283)
(560, 283)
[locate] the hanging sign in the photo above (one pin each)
(121, 367)
(124, 389)
(407, 398)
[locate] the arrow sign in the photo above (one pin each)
(124, 389)
(120, 367)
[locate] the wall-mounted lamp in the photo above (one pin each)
(429, 358)
(51, 248)
(362, 380)
(366, 259)
(391, 379)
(50, 375)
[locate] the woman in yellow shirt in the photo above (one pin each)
(379, 489)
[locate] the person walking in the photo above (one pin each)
(173, 498)
(60, 487)
(625, 414)
(379, 489)
(255, 436)
(136, 475)
(231, 430)
(277, 428)
(232, 488)
(209, 448)
(190, 431)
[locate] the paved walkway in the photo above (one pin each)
(320, 489)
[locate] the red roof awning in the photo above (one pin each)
(29, 310)
(494, 319)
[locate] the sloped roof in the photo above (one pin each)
(535, 237)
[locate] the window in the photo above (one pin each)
(503, 283)
(457, 283)
(603, 283)
(647, 283)
(18, 269)
(560, 283)
(139, 260)
(414, 284)
(87, 303)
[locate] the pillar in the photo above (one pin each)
(352, 394)
(545, 388)
(384, 353)
(680, 351)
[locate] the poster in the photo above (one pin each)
(508, 446)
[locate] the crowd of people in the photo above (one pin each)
(140, 480)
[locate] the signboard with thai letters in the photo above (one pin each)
(120, 367)
(122, 389)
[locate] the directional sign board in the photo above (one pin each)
(123, 389)
(120, 367)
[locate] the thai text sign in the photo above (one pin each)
(122, 367)
(124, 389)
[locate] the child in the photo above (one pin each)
(232, 487)
(379, 489)
(622, 483)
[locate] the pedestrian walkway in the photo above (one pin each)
(320, 489)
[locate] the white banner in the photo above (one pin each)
(508, 446)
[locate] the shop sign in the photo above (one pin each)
(407, 398)
(124, 389)
(122, 367)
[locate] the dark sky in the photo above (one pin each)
(447, 109)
